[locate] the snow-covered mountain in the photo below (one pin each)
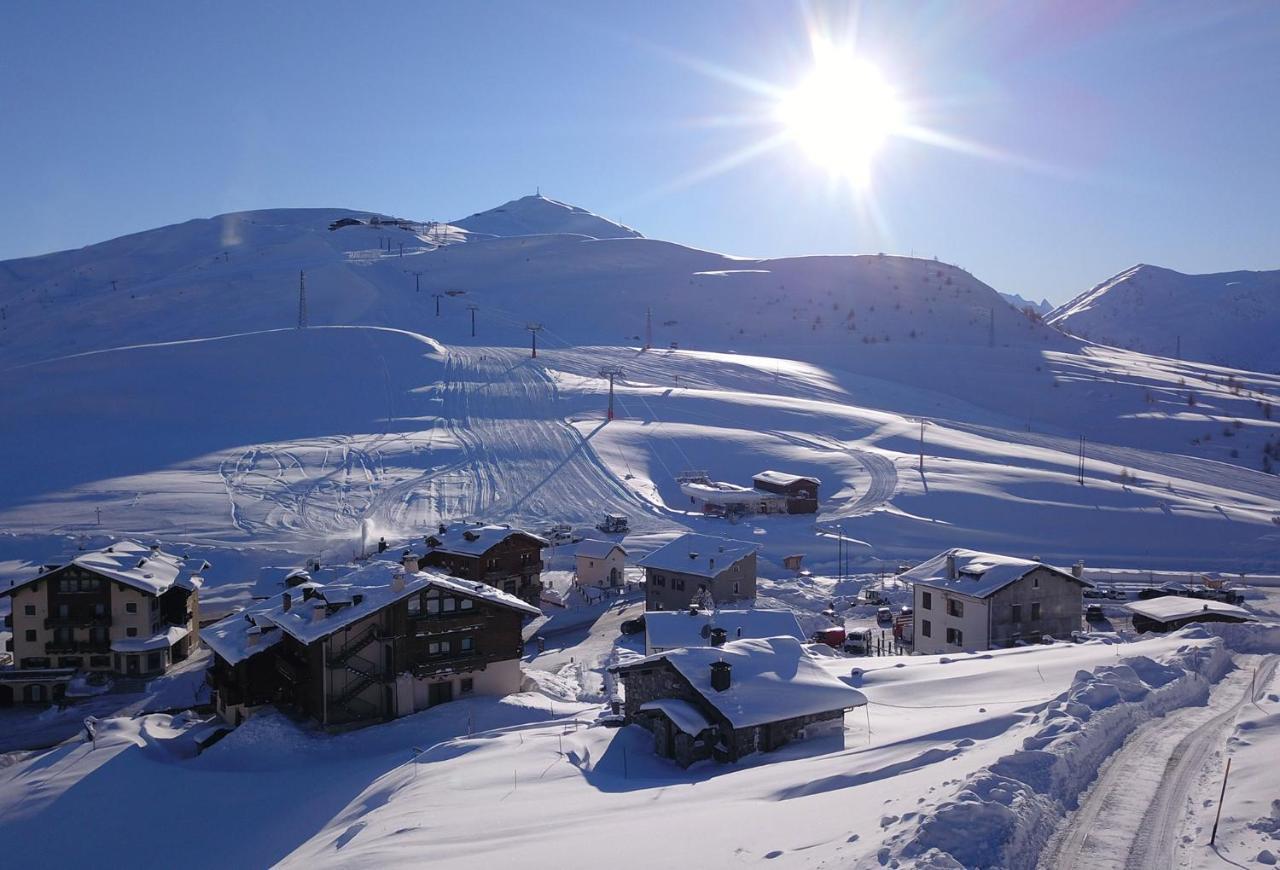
(1043, 307)
(160, 381)
(538, 215)
(1227, 318)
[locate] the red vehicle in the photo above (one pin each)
(832, 637)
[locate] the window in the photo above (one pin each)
(659, 580)
(31, 635)
(467, 686)
(467, 604)
(509, 586)
(736, 587)
(926, 601)
(955, 607)
(69, 661)
(1017, 612)
(131, 632)
(99, 661)
(1035, 582)
(955, 636)
(415, 605)
(433, 605)
(100, 609)
(677, 583)
(155, 603)
(493, 563)
(466, 644)
(29, 610)
(64, 611)
(438, 648)
(131, 607)
(1035, 611)
(154, 661)
(926, 628)
(450, 605)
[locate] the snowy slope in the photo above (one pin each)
(538, 215)
(1043, 307)
(1228, 318)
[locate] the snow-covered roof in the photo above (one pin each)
(781, 478)
(770, 679)
(361, 592)
(598, 549)
(1168, 608)
(151, 570)
(163, 640)
(669, 629)
(702, 555)
(977, 574)
(468, 539)
(682, 714)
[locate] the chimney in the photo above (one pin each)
(317, 612)
(288, 602)
(1077, 570)
(721, 677)
(718, 636)
(951, 566)
(251, 637)
(155, 548)
(409, 560)
(711, 564)
(397, 582)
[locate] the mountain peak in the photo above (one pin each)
(537, 215)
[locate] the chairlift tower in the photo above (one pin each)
(610, 372)
(417, 277)
(438, 297)
(302, 300)
(534, 329)
(471, 306)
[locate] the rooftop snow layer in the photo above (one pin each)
(1170, 607)
(130, 563)
(682, 714)
(598, 549)
(781, 478)
(372, 584)
(163, 640)
(671, 629)
(475, 540)
(702, 555)
(770, 679)
(977, 574)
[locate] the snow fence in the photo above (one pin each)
(1004, 814)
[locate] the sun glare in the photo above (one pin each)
(842, 114)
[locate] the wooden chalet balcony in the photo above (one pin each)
(78, 621)
(438, 666)
(77, 646)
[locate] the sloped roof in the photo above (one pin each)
(163, 640)
(668, 629)
(782, 478)
(598, 549)
(977, 574)
(771, 679)
(682, 714)
(372, 584)
(695, 554)
(467, 539)
(134, 565)
(1168, 608)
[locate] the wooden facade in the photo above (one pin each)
(513, 564)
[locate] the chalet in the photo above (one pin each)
(600, 563)
(966, 600)
(800, 492)
(384, 641)
(725, 702)
(504, 558)
(699, 566)
(125, 609)
(1171, 612)
(672, 629)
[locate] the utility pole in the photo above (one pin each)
(610, 372)
(438, 296)
(922, 445)
(533, 334)
(1080, 471)
(97, 513)
(648, 329)
(472, 307)
(302, 300)
(417, 275)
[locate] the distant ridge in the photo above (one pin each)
(537, 215)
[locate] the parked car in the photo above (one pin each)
(833, 637)
(1093, 613)
(884, 614)
(633, 626)
(858, 641)
(906, 610)
(1095, 592)
(1117, 594)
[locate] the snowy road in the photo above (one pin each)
(1158, 769)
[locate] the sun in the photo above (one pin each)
(842, 114)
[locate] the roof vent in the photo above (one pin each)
(693, 555)
(721, 676)
(141, 562)
(951, 566)
(718, 637)
(470, 536)
(288, 602)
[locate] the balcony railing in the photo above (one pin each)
(78, 621)
(77, 646)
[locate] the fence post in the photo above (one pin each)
(1221, 797)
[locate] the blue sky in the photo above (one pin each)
(1107, 133)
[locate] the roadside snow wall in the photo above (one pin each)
(1005, 813)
